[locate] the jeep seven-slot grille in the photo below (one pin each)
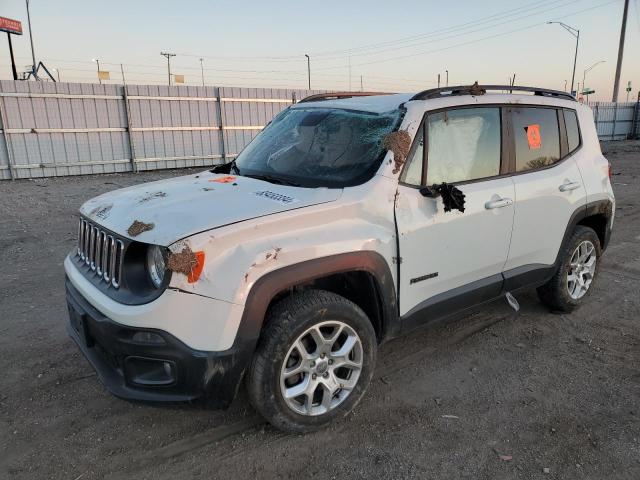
(101, 252)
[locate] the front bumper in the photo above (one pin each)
(166, 372)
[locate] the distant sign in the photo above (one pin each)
(103, 75)
(588, 91)
(10, 26)
(178, 78)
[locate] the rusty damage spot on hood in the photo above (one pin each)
(137, 227)
(183, 261)
(399, 143)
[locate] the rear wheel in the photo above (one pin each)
(314, 361)
(579, 262)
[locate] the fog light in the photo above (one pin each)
(150, 372)
(149, 338)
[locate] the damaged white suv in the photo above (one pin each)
(349, 220)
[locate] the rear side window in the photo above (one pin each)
(537, 137)
(573, 131)
(463, 144)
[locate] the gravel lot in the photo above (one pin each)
(493, 395)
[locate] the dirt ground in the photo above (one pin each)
(493, 395)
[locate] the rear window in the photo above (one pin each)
(573, 131)
(537, 137)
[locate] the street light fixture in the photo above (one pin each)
(584, 75)
(98, 64)
(576, 33)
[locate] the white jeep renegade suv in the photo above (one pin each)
(349, 220)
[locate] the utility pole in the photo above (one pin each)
(122, 70)
(308, 69)
(576, 33)
(168, 56)
(362, 88)
(565, 85)
(616, 83)
(202, 70)
(33, 53)
(98, 64)
(447, 80)
(349, 72)
(438, 80)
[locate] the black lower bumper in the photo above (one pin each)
(153, 365)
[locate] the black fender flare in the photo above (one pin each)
(269, 285)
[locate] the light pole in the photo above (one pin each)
(98, 64)
(202, 70)
(447, 80)
(576, 33)
(33, 53)
(308, 69)
(584, 75)
(565, 85)
(168, 56)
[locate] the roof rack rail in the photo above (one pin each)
(476, 89)
(319, 97)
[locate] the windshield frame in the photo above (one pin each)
(310, 182)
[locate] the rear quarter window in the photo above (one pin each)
(537, 137)
(573, 130)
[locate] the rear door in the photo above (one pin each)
(548, 187)
(450, 259)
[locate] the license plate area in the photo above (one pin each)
(79, 324)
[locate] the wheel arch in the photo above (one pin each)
(341, 274)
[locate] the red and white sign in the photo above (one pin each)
(10, 26)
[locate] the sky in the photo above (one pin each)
(384, 46)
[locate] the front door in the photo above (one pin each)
(452, 259)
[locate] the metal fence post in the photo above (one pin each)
(615, 117)
(634, 123)
(132, 149)
(3, 121)
(223, 147)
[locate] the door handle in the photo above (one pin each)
(568, 186)
(501, 202)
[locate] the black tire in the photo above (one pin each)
(285, 322)
(555, 293)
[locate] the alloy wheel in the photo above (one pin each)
(321, 368)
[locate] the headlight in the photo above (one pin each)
(156, 265)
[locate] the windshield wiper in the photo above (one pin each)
(272, 179)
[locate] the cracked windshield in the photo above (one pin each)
(318, 147)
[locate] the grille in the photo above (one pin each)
(101, 252)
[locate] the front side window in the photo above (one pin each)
(318, 147)
(412, 173)
(463, 144)
(573, 131)
(537, 137)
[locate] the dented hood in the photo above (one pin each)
(183, 206)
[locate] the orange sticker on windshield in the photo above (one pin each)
(533, 136)
(227, 179)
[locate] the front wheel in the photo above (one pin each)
(579, 262)
(314, 361)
